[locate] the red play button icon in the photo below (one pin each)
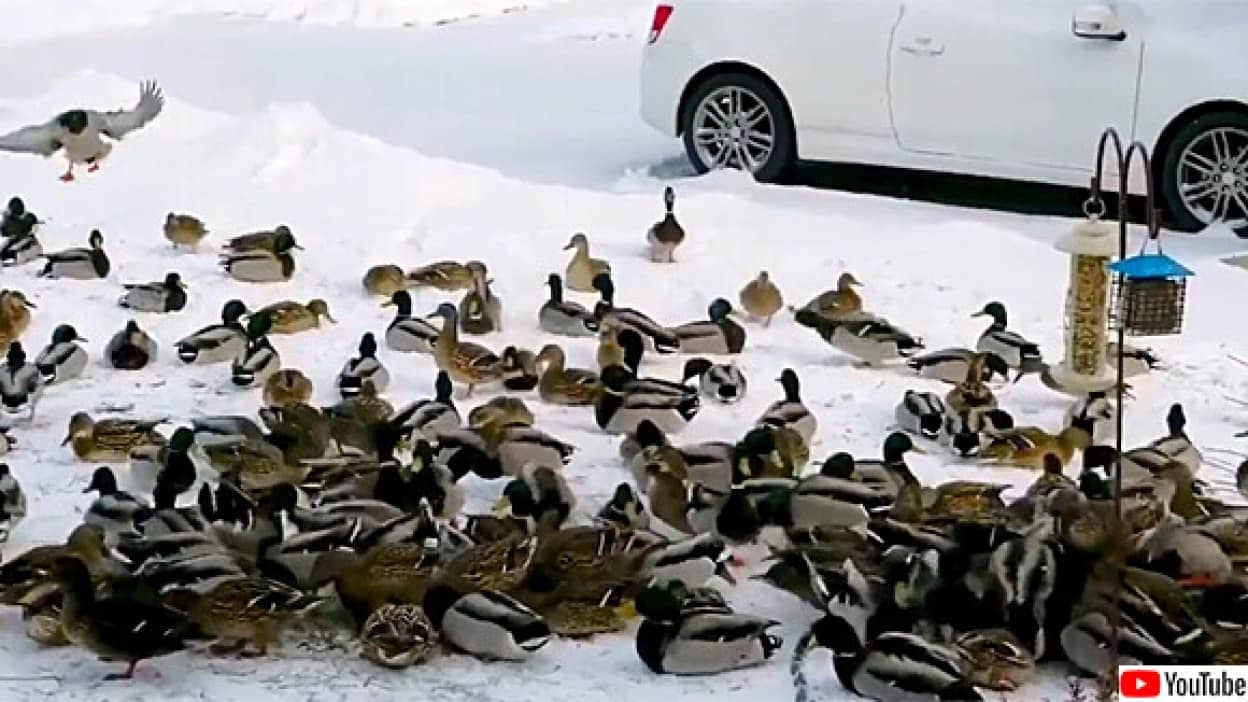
(1140, 683)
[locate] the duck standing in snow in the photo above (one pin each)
(184, 230)
(78, 132)
(287, 387)
(869, 339)
(761, 299)
(718, 335)
(665, 235)
(130, 349)
(407, 334)
(480, 310)
(583, 268)
(663, 338)
(216, 343)
(12, 503)
(950, 365)
(21, 384)
(564, 317)
(790, 411)
(262, 265)
(79, 263)
(14, 315)
(362, 369)
(114, 509)
(467, 363)
(21, 249)
(167, 466)
(842, 302)
(1017, 352)
(168, 295)
(62, 359)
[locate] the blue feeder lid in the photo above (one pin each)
(1149, 266)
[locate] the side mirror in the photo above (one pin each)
(1098, 21)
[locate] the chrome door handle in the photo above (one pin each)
(923, 50)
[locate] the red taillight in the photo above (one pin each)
(662, 13)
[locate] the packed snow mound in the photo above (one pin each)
(34, 20)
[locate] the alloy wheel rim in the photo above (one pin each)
(1213, 177)
(733, 128)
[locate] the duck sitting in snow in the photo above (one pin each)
(719, 381)
(21, 383)
(480, 310)
(447, 276)
(672, 639)
(109, 440)
(290, 317)
(264, 240)
(842, 302)
(20, 250)
(922, 414)
(262, 265)
(1027, 446)
(627, 400)
(364, 368)
(14, 315)
(663, 338)
(216, 343)
(719, 335)
(564, 317)
(12, 503)
(130, 349)
(407, 334)
(168, 295)
(1017, 352)
(869, 339)
(79, 263)
(384, 280)
(259, 360)
(486, 623)
(184, 230)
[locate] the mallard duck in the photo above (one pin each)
(398, 572)
(216, 343)
(14, 315)
(12, 502)
(470, 364)
(869, 339)
(363, 369)
(262, 265)
(516, 446)
(760, 298)
(967, 433)
(1135, 360)
(130, 349)
(114, 509)
(429, 416)
(288, 386)
(264, 240)
(821, 500)
(1174, 446)
(537, 493)
(723, 382)
(243, 611)
(487, 623)
(20, 250)
(168, 295)
(583, 268)
(78, 133)
(1017, 352)
(260, 359)
(619, 318)
(398, 635)
(501, 411)
(120, 627)
(891, 473)
(564, 386)
(665, 235)
(384, 280)
(13, 220)
(290, 317)
(843, 302)
(519, 369)
(184, 230)
(951, 365)
(790, 411)
(703, 643)
(448, 276)
(480, 310)
(626, 401)
(168, 466)
(257, 465)
(719, 335)
(893, 665)
(109, 440)
(624, 510)
(1027, 446)
(408, 334)
(564, 317)
(1100, 411)
(921, 413)
(21, 383)
(79, 263)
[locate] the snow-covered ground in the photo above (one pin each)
(494, 139)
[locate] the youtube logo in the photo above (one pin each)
(1140, 683)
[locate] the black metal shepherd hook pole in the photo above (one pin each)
(1095, 207)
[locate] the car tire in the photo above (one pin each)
(722, 116)
(1204, 173)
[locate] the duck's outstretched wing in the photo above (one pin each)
(42, 139)
(118, 123)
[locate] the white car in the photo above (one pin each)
(1016, 89)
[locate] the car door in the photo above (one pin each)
(1027, 82)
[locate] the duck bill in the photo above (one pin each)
(334, 321)
(569, 247)
(68, 437)
(387, 303)
(30, 304)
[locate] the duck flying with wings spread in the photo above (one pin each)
(79, 132)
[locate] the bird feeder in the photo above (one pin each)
(1149, 293)
(1091, 246)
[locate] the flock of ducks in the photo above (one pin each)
(234, 529)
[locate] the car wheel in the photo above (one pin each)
(1205, 173)
(734, 120)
